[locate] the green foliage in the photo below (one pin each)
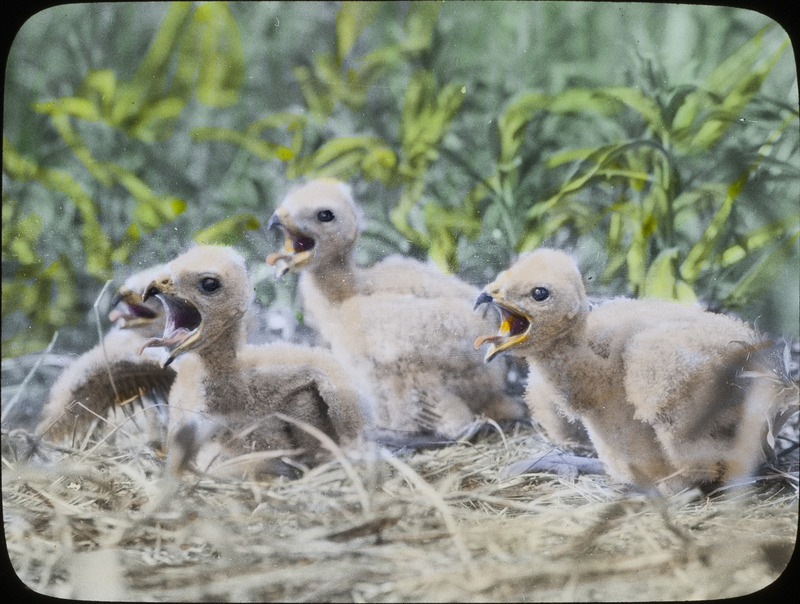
(251, 138)
(649, 179)
(34, 282)
(203, 47)
(471, 135)
(228, 230)
(403, 161)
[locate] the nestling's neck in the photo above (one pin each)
(336, 279)
(578, 372)
(560, 352)
(226, 389)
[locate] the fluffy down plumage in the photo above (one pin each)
(229, 396)
(111, 374)
(672, 396)
(401, 327)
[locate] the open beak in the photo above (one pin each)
(184, 323)
(127, 307)
(515, 326)
(298, 248)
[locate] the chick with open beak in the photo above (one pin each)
(298, 248)
(229, 397)
(311, 228)
(401, 327)
(128, 310)
(514, 329)
(204, 306)
(112, 375)
(184, 324)
(671, 395)
(537, 311)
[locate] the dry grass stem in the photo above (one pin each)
(105, 519)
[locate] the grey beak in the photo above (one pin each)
(274, 221)
(151, 291)
(483, 298)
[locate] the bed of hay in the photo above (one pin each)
(104, 519)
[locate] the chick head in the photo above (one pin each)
(205, 293)
(540, 298)
(319, 221)
(128, 309)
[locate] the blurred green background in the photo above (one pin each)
(658, 143)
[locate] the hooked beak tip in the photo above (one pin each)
(483, 298)
(151, 291)
(274, 221)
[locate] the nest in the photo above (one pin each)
(104, 519)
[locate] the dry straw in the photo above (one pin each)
(104, 518)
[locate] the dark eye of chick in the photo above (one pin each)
(210, 284)
(324, 215)
(540, 293)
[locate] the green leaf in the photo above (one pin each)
(641, 103)
(318, 99)
(228, 231)
(373, 65)
(732, 104)
(759, 238)
(351, 19)
(585, 100)
(684, 292)
(266, 150)
(706, 193)
(512, 123)
(99, 87)
(151, 210)
(379, 163)
(150, 77)
(97, 247)
(69, 106)
(156, 120)
(533, 234)
(616, 231)
(20, 237)
(570, 155)
(33, 296)
(660, 279)
(127, 245)
(80, 149)
(221, 70)
(638, 252)
(761, 275)
(19, 241)
(700, 254)
(420, 24)
(96, 243)
(736, 66)
(343, 157)
(410, 195)
(282, 119)
(614, 265)
(596, 160)
(445, 225)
